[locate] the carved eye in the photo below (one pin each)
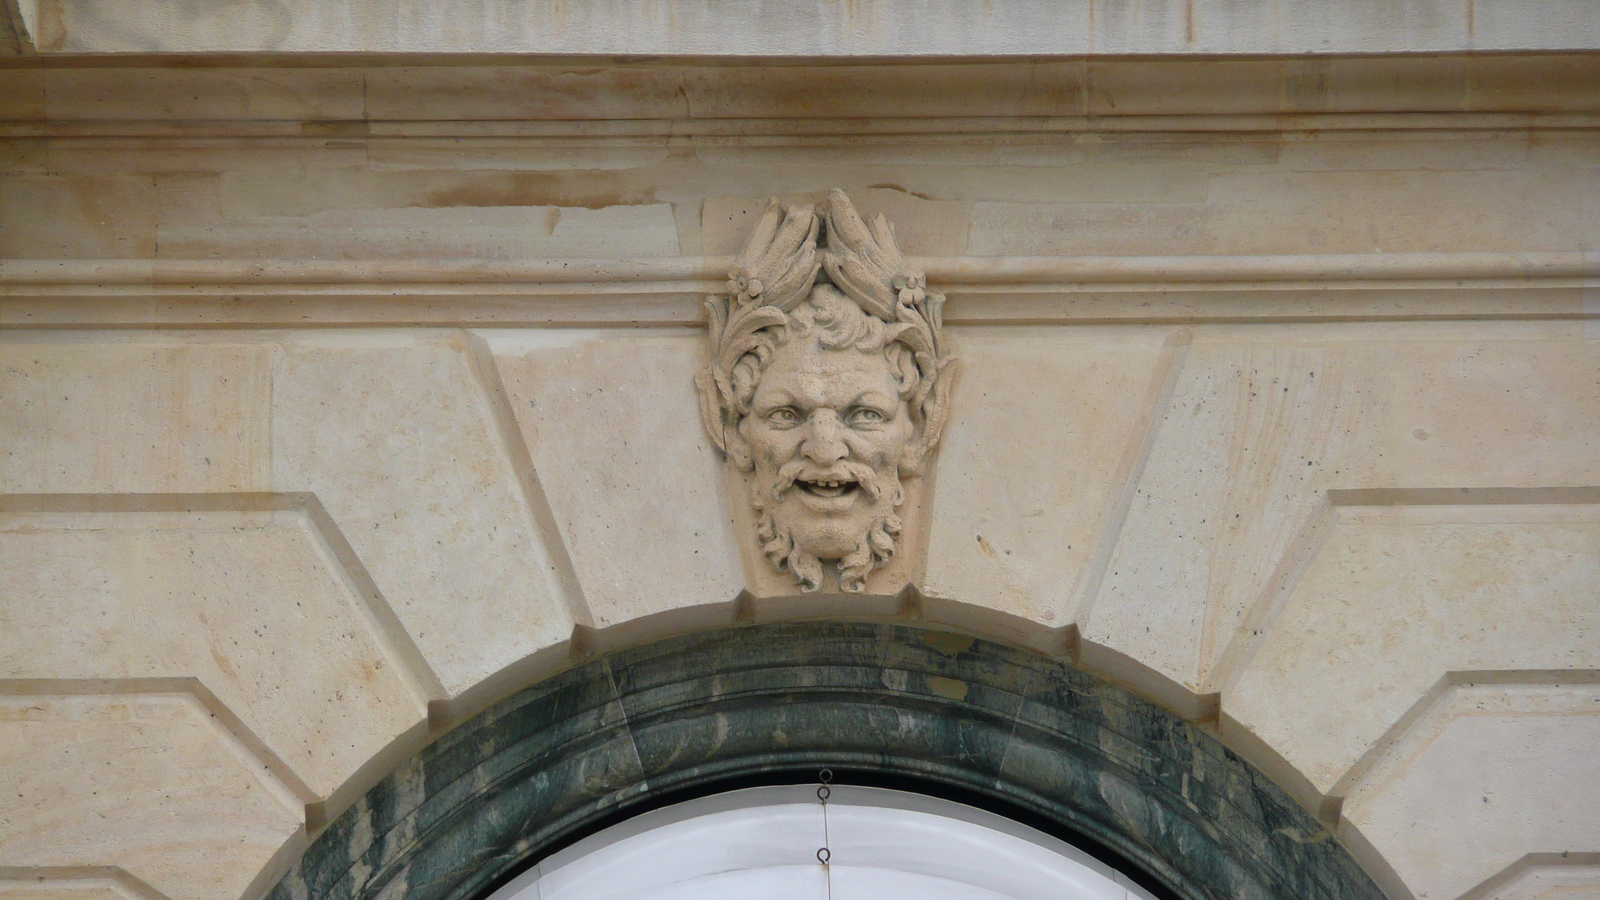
(861, 415)
(783, 418)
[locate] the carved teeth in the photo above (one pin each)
(828, 488)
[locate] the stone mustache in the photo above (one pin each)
(829, 383)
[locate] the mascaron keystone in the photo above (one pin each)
(828, 385)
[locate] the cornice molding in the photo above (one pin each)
(778, 132)
(669, 291)
(271, 98)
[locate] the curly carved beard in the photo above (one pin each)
(872, 549)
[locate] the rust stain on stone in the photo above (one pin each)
(946, 643)
(949, 688)
(589, 189)
(901, 188)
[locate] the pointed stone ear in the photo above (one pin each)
(738, 449)
(718, 420)
(933, 409)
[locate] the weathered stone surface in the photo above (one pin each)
(827, 392)
(1016, 523)
(110, 414)
(398, 436)
(1257, 431)
(208, 595)
(150, 783)
(1396, 598)
(1490, 775)
(635, 492)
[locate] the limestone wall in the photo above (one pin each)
(336, 402)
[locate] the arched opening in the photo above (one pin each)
(1036, 741)
(823, 842)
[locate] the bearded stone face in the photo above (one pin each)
(828, 384)
(827, 432)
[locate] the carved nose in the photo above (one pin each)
(824, 443)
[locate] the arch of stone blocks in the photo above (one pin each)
(639, 727)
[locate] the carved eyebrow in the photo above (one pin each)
(779, 399)
(874, 398)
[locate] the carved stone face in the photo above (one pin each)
(824, 391)
(827, 432)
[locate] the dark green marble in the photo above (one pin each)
(488, 796)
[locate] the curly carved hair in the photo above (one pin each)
(835, 322)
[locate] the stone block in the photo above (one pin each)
(22, 95)
(1015, 523)
(1496, 775)
(23, 156)
(135, 415)
(208, 94)
(464, 232)
(28, 888)
(398, 435)
(172, 157)
(146, 783)
(251, 603)
(395, 152)
(1311, 212)
(522, 92)
(635, 486)
(70, 216)
(1397, 597)
(922, 227)
(1228, 502)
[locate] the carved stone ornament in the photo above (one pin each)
(828, 388)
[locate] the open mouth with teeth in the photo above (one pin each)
(829, 489)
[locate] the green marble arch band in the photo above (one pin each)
(688, 712)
